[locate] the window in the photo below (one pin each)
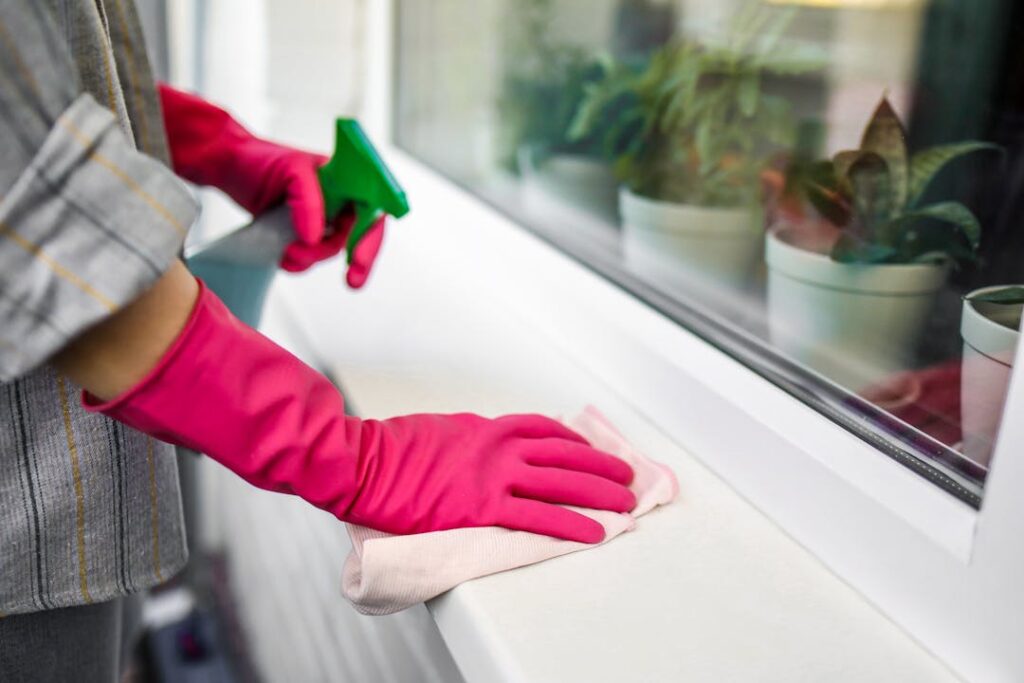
(827, 190)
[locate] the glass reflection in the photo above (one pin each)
(837, 180)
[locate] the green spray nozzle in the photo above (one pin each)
(357, 175)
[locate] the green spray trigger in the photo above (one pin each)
(357, 175)
(240, 265)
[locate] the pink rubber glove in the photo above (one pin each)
(225, 390)
(208, 147)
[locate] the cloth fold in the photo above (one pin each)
(387, 573)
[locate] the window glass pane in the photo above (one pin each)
(827, 189)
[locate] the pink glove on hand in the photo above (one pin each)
(228, 391)
(208, 147)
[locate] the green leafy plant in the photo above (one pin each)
(539, 109)
(875, 195)
(696, 124)
(544, 86)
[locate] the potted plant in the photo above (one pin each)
(691, 131)
(540, 96)
(854, 268)
(990, 327)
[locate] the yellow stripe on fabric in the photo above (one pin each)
(59, 270)
(133, 72)
(154, 508)
(76, 475)
(129, 182)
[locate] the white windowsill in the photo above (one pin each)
(707, 589)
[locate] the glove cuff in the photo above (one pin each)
(225, 390)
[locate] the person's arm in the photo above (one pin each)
(90, 231)
(87, 223)
(116, 354)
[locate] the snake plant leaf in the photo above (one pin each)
(871, 181)
(842, 161)
(886, 137)
(1007, 296)
(820, 187)
(926, 164)
(954, 213)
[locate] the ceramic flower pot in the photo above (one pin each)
(698, 250)
(853, 323)
(559, 179)
(990, 332)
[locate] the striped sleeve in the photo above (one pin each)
(87, 223)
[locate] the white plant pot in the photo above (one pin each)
(582, 182)
(990, 333)
(853, 323)
(707, 251)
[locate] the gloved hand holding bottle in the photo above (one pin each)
(208, 147)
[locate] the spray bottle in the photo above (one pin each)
(240, 266)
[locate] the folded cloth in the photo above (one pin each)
(386, 573)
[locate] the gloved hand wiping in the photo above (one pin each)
(227, 391)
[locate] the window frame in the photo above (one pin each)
(944, 571)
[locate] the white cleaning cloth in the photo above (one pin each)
(385, 573)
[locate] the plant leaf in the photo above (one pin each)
(770, 35)
(842, 161)
(870, 179)
(747, 93)
(849, 249)
(954, 213)
(746, 24)
(1009, 296)
(703, 141)
(934, 257)
(819, 185)
(597, 97)
(680, 92)
(886, 137)
(924, 165)
(776, 119)
(792, 60)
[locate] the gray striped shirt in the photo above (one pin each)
(90, 216)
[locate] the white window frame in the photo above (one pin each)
(949, 574)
